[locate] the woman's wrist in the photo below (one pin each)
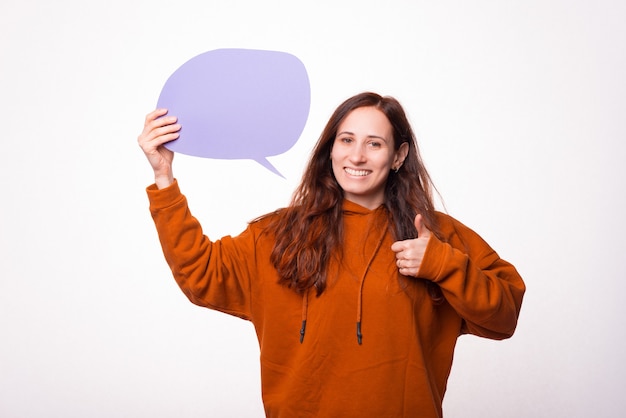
(163, 181)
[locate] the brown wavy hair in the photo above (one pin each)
(309, 231)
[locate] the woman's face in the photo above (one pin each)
(363, 155)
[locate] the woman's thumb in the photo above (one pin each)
(422, 231)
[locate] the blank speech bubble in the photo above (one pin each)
(238, 104)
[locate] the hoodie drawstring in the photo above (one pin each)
(359, 309)
(359, 303)
(305, 309)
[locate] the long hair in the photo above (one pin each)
(309, 231)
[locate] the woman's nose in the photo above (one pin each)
(357, 154)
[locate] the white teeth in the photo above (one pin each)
(353, 172)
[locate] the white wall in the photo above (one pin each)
(519, 107)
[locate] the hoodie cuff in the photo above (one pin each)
(433, 260)
(163, 198)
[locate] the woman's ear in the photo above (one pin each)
(401, 154)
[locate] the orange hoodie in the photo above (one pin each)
(375, 343)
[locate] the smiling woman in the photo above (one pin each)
(346, 284)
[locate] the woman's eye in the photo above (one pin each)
(375, 144)
(346, 139)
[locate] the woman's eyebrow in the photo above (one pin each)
(368, 136)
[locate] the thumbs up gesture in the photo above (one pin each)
(410, 252)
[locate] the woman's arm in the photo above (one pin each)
(485, 290)
(212, 274)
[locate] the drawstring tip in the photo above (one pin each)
(302, 331)
(359, 336)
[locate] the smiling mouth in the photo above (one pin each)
(358, 173)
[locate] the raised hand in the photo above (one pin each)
(159, 129)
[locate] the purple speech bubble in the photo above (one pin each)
(238, 104)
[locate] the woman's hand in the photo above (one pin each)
(158, 130)
(410, 252)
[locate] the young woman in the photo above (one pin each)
(358, 289)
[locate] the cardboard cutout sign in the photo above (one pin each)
(238, 104)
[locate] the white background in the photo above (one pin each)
(520, 111)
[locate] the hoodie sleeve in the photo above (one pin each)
(485, 290)
(216, 274)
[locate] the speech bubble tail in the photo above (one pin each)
(265, 163)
